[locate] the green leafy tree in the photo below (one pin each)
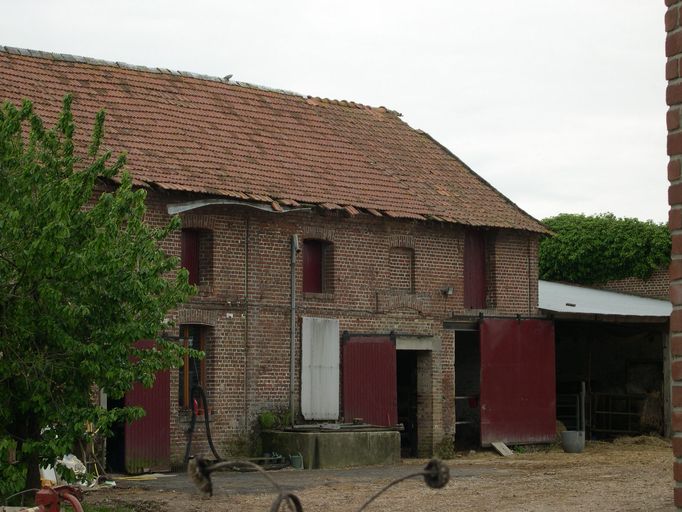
(596, 249)
(82, 278)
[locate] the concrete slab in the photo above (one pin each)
(502, 449)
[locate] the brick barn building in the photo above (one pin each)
(336, 223)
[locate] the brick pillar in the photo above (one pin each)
(673, 73)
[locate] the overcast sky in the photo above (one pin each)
(559, 104)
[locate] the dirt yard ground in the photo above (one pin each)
(631, 474)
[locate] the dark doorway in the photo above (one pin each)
(406, 383)
(622, 367)
(467, 390)
(116, 443)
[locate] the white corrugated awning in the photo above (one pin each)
(566, 298)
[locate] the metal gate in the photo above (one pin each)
(518, 390)
(369, 380)
(147, 440)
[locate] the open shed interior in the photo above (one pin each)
(622, 365)
(407, 384)
(467, 390)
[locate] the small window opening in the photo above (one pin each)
(197, 257)
(317, 266)
(193, 370)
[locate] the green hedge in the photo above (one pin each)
(600, 248)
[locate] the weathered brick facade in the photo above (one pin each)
(673, 72)
(246, 307)
(657, 286)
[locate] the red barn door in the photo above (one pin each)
(369, 380)
(518, 391)
(147, 440)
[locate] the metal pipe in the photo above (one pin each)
(247, 236)
(436, 475)
(292, 348)
(73, 501)
(582, 407)
(530, 281)
(200, 471)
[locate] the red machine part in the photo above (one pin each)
(48, 498)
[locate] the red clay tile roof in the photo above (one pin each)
(210, 135)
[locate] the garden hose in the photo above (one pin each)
(268, 463)
(198, 390)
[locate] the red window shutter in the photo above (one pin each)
(190, 254)
(475, 285)
(312, 266)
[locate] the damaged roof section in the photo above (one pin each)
(208, 135)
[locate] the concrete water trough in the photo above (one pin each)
(337, 447)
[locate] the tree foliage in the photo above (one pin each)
(600, 248)
(82, 278)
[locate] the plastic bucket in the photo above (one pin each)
(296, 460)
(573, 441)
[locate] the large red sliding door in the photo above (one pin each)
(147, 440)
(518, 391)
(369, 380)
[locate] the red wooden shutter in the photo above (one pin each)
(475, 286)
(369, 380)
(518, 389)
(190, 254)
(312, 266)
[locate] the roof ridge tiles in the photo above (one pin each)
(40, 54)
(354, 104)
(135, 67)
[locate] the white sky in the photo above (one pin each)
(559, 104)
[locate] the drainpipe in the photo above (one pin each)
(292, 349)
(530, 280)
(247, 236)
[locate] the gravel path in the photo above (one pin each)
(629, 475)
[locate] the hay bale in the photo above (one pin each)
(643, 440)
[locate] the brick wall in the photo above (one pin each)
(655, 287)
(247, 310)
(401, 266)
(673, 72)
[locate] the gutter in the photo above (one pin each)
(176, 208)
(292, 348)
